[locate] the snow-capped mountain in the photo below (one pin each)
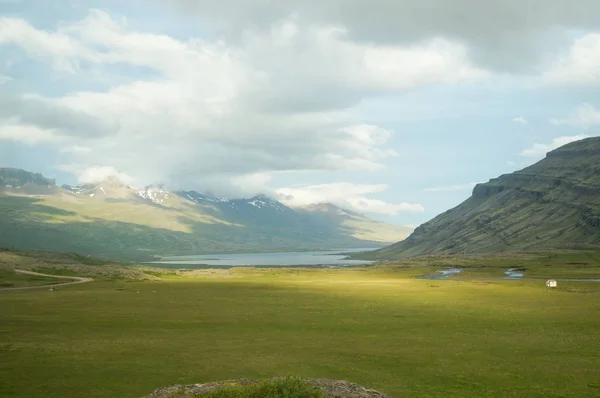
(154, 194)
(264, 202)
(113, 219)
(201, 198)
(80, 190)
(257, 202)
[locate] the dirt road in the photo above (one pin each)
(74, 281)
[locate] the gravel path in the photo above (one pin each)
(74, 281)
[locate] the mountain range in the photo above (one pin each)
(553, 204)
(114, 220)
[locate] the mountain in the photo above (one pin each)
(114, 220)
(24, 182)
(553, 204)
(360, 226)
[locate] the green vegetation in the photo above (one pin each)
(135, 229)
(290, 387)
(554, 204)
(67, 264)
(9, 279)
(375, 326)
(565, 265)
(112, 220)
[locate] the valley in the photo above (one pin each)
(299, 199)
(469, 336)
(112, 220)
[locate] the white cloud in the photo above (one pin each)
(520, 120)
(251, 184)
(5, 79)
(11, 130)
(452, 188)
(273, 101)
(584, 116)
(580, 65)
(76, 149)
(346, 195)
(504, 34)
(540, 150)
(63, 50)
(95, 174)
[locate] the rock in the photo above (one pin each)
(331, 389)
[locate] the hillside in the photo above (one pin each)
(553, 204)
(114, 220)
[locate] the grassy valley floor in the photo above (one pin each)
(375, 326)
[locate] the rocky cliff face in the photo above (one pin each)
(554, 203)
(21, 181)
(16, 178)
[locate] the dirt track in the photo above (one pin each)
(74, 281)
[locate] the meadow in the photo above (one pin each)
(375, 326)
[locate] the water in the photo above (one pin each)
(442, 274)
(330, 258)
(513, 273)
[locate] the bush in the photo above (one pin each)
(289, 387)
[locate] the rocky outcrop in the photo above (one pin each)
(330, 388)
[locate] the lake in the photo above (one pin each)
(329, 258)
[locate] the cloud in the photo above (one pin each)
(540, 150)
(520, 120)
(214, 110)
(251, 184)
(28, 134)
(63, 50)
(346, 195)
(51, 115)
(579, 65)
(452, 188)
(95, 174)
(5, 79)
(513, 36)
(584, 116)
(76, 149)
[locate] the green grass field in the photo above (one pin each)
(11, 279)
(374, 326)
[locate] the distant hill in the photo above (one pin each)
(554, 204)
(113, 220)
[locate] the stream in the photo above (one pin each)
(511, 274)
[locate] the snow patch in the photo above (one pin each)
(257, 203)
(103, 191)
(154, 196)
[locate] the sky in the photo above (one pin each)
(392, 108)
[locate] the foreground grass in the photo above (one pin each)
(375, 327)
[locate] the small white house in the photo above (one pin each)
(551, 283)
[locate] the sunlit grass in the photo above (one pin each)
(373, 326)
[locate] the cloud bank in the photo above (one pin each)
(272, 88)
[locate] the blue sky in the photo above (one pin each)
(393, 110)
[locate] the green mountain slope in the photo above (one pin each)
(554, 204)
(113, 220)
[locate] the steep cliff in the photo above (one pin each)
(553, 204)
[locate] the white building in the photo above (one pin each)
(551, 283)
